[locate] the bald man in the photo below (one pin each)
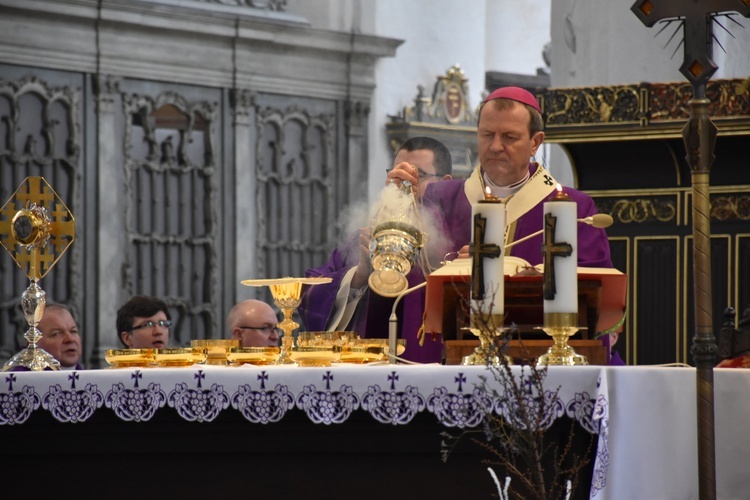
(254, 322)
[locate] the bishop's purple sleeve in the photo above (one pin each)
(317, 301)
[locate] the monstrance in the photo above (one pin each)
(36, 228)
(287, 294)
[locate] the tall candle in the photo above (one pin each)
(492, 236)
(561, 251)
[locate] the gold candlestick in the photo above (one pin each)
(488, 328)
(561, 326)
(287, 295)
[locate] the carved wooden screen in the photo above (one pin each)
(171, 208)
(39, 136)
(295, 190)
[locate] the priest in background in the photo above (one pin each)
(60, 336)
(347, 303)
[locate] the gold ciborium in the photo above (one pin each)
(287, 295)
(396, 238)
(488, 328)
(561, 326)
(36, 228)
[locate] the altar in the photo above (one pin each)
(278, 431)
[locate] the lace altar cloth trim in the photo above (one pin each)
(458, 396)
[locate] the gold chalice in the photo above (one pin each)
(287, 295)
(561, 326)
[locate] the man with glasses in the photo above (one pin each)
(347, 303)
(143, 323)
(254, 322)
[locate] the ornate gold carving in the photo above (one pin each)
(593, 105)
(640, 104)
(726, 208)
(639, 210)
(449, 103)
(728, 98)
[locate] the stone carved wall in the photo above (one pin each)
(39, 136)
(194, 150)
(171, 213)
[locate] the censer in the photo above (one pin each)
(395, 240)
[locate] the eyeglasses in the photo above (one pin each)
(420, 173)
(265, 329)
(150, 324)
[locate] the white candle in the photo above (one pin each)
(493, 211)
(565, 211)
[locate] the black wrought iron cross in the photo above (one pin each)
(479, 250)
(698, 64)
(552, 249)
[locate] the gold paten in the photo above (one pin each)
(318, 356)
(217, 349)
(128, 358)
(326, 339)
(561, 326)
(253, 355)
(181, 356)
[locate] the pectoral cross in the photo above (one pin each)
(479, 251)
(552, 249)
(698, 64)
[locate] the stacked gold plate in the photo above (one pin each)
(128, 358)
(181, 356)
(218, 349)
(253, 355)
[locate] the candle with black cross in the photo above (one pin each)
(487, 278)
(560, 282)
(486, 249)
(560, 254)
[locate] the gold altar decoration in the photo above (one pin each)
(180, 356)
(362, 351)
(36, 229)
(287, 294)
(268, 355)
(488, 328)
(130, 358)
(218, 349)
(561, 326)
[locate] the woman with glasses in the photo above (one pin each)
(254, 322)
(143, 323)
